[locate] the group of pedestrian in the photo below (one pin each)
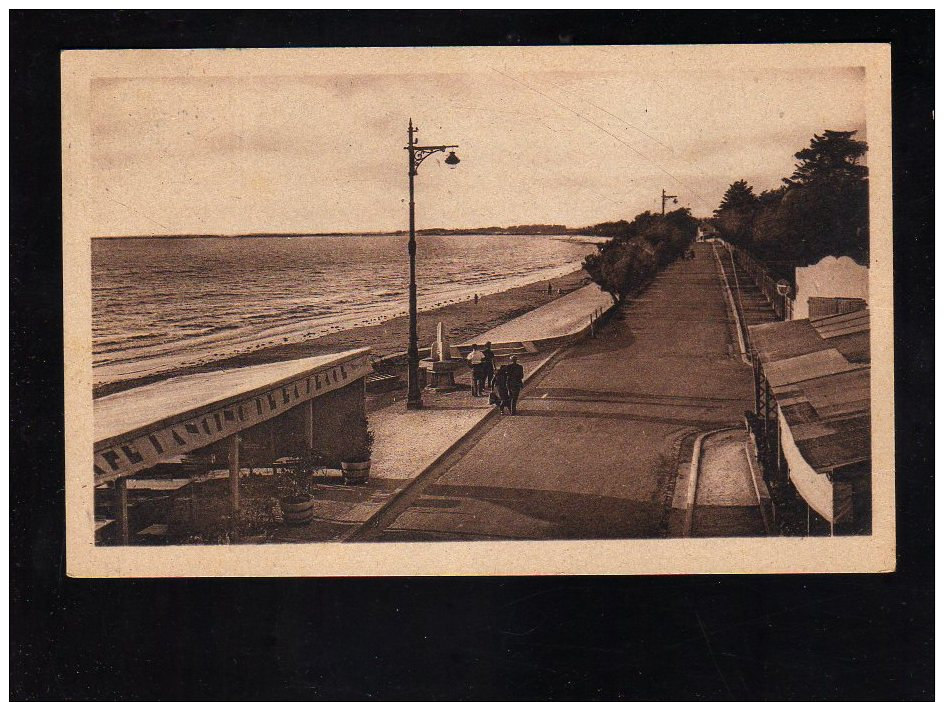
(503, 383)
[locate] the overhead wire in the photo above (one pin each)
(606, 131)
(631, 126)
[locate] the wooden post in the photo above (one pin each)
(121, 509)
(767, 399)
(310, 424)
(233, 460)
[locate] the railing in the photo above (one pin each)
(781, 303)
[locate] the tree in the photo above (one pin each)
(735, 215)
(831, 158)
(739, 196)
(821, 210)
(621, 266)
(638, 249)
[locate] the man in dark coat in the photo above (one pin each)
(514, 381)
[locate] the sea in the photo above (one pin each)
(166, 303)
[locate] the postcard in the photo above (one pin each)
(478, 311)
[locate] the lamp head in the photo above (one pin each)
(452, 160)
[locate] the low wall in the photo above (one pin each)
(151, 424)
(336, 419)
(830, 278)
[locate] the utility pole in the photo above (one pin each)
(416, 155)
(414, 400)
(673, 198)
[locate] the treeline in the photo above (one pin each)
(821, 210)
(517, 229)
(638, 249)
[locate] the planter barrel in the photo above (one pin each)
(355, 472)
(297, 511)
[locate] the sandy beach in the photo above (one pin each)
(463, 321)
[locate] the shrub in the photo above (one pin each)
(297, 474)
(359, 441)
(638, 249)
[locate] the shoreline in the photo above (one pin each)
(463, 320)
(422, 232)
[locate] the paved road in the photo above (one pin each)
(595, 450)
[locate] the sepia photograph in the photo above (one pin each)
(471, 354)
(478, 310)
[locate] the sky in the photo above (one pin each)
(316, 145)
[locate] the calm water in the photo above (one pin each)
(160, 304)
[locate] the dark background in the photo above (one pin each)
(768, 637)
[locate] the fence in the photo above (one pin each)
(781, 303)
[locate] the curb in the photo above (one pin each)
(693, 478)
(732, 308)
(760, 490)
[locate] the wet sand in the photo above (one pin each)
(463, 320)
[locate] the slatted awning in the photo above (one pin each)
(138, 428)
(819, 372)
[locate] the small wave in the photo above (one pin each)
(151, 316)
(199, 326)
(129, 338)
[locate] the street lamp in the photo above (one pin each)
(417, 154)
(673, 198)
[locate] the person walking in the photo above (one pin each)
(514, 379)
(475, 360)
(499, 395)
(488, 365)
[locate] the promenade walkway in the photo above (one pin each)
(602, 431)
(408, 442)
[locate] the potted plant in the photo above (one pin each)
(296, 486)
(356, 469)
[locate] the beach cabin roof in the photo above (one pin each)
(819, 372)
(140, 427)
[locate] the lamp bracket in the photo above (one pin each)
(418, 154)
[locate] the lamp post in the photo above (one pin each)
(673, 198)
(417, 154)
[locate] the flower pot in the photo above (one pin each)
(297, 510)
(355, 472)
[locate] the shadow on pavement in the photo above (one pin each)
(521, 513)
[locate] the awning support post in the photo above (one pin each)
(310, 424)
(233, 460)
(121, 509)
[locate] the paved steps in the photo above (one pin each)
(752, 305)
